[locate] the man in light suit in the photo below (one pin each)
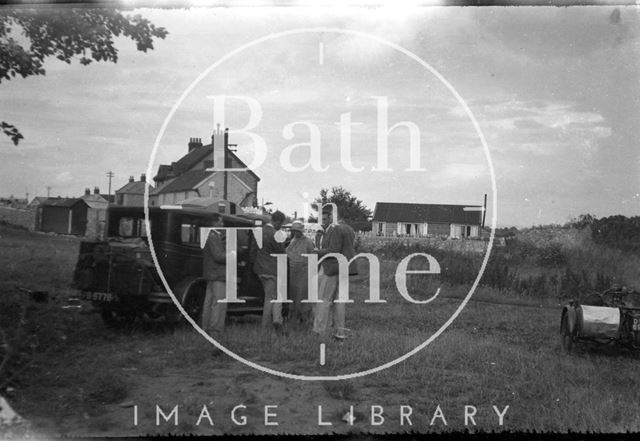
(214, 261)
(265, 266)
(337, 238)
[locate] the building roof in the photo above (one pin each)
(185, 182)
(188, 161)
(134, 188)
(37, 201)
(61, 202)
(419, 213)
(109, 197)
(95, 201)
(164, 172)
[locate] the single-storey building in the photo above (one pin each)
(63, 216)
(426, 220)
(84, 216)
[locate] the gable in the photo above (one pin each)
(185, 182)
(195, 160)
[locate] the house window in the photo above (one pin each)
(380, 228)
(407, 229)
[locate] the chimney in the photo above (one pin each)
(195, 143)
(87, 191)
(131, 179)
(219, 141)
(143, 178)
(96, 190)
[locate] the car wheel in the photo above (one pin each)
(193, 303)
(566, 336)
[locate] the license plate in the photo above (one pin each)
(636, 324)
(97, 296)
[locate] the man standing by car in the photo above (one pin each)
(265, 266)
(338, 238)
(214, 271)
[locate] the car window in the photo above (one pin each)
(190, 234)
(132, 227)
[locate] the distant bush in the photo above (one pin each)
(581, 222)
(618, 232)
(539, 263)
(550, 255)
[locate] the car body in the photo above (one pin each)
(119, 276)
(610, 317)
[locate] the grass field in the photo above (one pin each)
(75, 377)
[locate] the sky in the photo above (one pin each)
(554, 91)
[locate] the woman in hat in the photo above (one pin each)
(300, 244)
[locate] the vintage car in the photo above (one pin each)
(119, 276)
(611, 317)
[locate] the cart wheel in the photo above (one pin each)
(566, 336)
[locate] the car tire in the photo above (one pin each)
(193, 303)
(567, 338)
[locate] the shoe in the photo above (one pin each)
(340, 337)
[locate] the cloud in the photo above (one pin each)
(64, 177)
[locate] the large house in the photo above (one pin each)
(427, 220)
(193, 176)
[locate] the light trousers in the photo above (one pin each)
(271, 312)
(214, 312)
(298, 289)
(328, 311)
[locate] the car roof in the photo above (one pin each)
(242, 219)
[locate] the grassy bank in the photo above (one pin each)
(75, 377)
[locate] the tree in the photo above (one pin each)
(29, 36)
(353, 210)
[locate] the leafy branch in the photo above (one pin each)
(29, 36)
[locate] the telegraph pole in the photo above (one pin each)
(110, 175)
(48, 190)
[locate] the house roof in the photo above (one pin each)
(134, 188)
(95, 201)
(164, 172)
(188, 161)
(61, 202)
(185, 182)
(434, 213)
(207, 203)
(108, 197)
(37, 201)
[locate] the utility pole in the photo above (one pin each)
(484, 210)
(110, 175)
(48, 190)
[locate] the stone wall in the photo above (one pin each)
(18, 217)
